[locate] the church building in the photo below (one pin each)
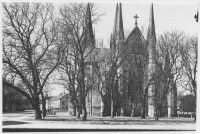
(137, 57)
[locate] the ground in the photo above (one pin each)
(17, 121)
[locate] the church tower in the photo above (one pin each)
(118, 39)
(118, 28)
(88, 28)
(151, 41)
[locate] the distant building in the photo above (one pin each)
(64, 103)
(58, 103)
(186, 103)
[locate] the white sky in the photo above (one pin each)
(166, 16)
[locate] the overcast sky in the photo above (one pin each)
(166, 16)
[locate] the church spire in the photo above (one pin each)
(118, 32)
(151, 35)
(89, 28)
(120, 19)
(151, 28)
(151, 42)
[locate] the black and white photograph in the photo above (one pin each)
(99, 66)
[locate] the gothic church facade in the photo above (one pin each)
(134, 48)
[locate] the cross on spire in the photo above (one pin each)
(136, 19)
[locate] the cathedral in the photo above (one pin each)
(136, 56)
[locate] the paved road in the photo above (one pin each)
(22, 120)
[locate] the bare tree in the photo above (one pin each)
(169, 65)
(30, 50)
(189, 56)
(133, 91)
(77, 20)
(101, 65)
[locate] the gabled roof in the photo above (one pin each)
(61, 96)
(135, 33)
(58, 97)
(136, 40)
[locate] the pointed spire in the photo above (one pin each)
(89, 28)
(115, 21)
(118, 33)
(151, 42)
(151, 35)
(151, 28)
(120, 17)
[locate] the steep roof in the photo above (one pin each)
(61, 96)
(136, 40)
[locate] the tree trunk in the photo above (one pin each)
(10, 105)
(73, 103)
(37, 113)
(19, 104)
(74, 109)
(14, 104)
(43, 107)
(112, 106)
(157, 114)
(78, 109)
(160, 110)
(4, 103)
(104, 114)
(175, 100)
(4, 99)
(37, 109)
(79, 113)
(84, 109)
(132, 110)
(195, 109)
(143, 109)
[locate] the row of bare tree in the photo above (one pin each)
(37, 40)
(41, 46)
(175, 68)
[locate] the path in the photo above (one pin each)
(64, 121)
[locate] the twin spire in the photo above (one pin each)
(118, 31)
(118, 24)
